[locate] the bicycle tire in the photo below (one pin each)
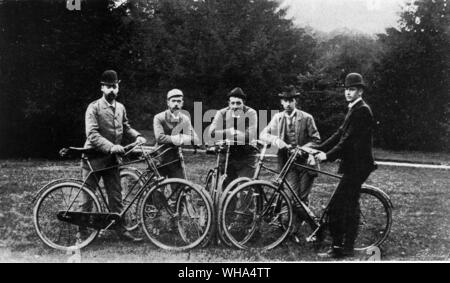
(37, 212)
(131, 217)
(278, 206)
(153, 205)
(375, 207)
(231, 186)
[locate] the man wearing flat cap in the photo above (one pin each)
(106, 123)
(290, 128)
(352, 143)
(237, 123)
(173, 128)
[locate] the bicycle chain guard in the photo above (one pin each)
(90, 219)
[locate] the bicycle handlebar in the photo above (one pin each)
(213, 149)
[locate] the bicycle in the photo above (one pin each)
(263, 218)
(164, 205)
(128, 176)
(262, 148)
(215, 179)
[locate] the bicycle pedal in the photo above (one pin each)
(311, 239)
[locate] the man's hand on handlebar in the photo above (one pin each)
(117, 149)
(321, 156)
(141, 140)
(281, 144)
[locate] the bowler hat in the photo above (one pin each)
(109, 77)
(354, 79)
(237, 92)
(289, 92)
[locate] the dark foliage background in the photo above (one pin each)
(51, 60)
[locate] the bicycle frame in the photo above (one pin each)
(282, 183)
(216, 169)
(148, 178)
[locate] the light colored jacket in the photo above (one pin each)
(164, 127)
(223, 122)
(106, 125)
(306, 133)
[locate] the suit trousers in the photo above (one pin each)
(344, 213)
(239, 165)
(173, 170)
(111, 179)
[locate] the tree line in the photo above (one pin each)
(51, 60)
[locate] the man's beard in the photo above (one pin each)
(111, 96)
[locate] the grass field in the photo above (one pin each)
(420, 231)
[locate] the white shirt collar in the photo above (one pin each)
(291, 115)
(177, 117)
(350, 105)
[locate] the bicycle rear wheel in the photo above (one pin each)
(64, 196)
(375, 218)
(257, 215)
(176, 215)
(129, 179)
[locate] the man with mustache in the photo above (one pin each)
(237, 123)
(173, 128)
(106, 123)
(290, 128)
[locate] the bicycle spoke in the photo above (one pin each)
(175, 224)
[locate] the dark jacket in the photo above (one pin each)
(352, 142)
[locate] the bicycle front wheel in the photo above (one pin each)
(176, 215)
(64, 197)
(226, 193)
(375, 218)
(257, 215)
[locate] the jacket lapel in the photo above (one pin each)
(106, 108)
(281, 125)
(298, 126)
(350, 111)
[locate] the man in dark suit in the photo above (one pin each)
(352, 143)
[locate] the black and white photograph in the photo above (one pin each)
(224, 131)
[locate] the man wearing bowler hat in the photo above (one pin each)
(237, 123)
(106, 123)
(173, 128)
(352, 143)
(290, 128)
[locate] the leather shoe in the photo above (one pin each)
(333, 252)
(126, 236)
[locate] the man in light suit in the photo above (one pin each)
(106, 123)
(293, 127)
(287, 129)
(352, 143)
(173, 128)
